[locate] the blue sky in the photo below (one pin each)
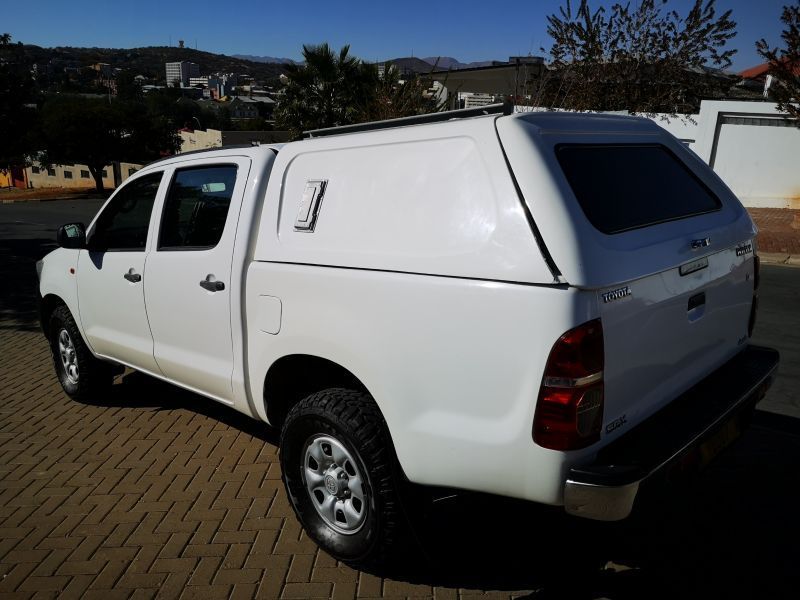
(466, 30)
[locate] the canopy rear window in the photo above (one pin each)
(625, 186)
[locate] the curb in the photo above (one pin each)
(779, 258)
(56, 199)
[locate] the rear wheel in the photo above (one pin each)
(340, 472)
(81, 374)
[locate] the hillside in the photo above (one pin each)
(414, 65)
(149, 61)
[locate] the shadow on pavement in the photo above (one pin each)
(18, 310)
(730, 533)
(137, 390)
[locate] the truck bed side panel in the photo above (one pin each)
(455, 365)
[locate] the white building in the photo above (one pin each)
(198, 81)
(182, 71)
(475, 100)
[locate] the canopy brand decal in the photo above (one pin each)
(616, 294)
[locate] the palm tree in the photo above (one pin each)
(329, 90)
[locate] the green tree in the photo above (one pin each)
(638, 58)
(784, 63)
(94, 132)
(127, 87)
(17, 105)
(329, 90)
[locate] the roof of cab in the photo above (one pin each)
(238, 150)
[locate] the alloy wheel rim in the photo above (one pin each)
(69, 357)
(335, 484)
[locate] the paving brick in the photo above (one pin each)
(369, 586)
(109, 576)
(401, 588)
(43, 584)
(174, 585)
(18, 574)
(173, 565)
(81, 567)
(76, 588)
(307, 590)
(234, 576)
(206, 570)
(206, 592)
(300, 569)
(779, 230)
(141, 580)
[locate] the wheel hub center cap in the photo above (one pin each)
(331, 485)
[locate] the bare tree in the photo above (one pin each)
(640, 58)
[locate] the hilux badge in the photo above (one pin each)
(744, 249)
(616, 294)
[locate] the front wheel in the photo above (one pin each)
(340, 473)
(81, 374)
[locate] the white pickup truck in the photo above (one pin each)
(552, 307)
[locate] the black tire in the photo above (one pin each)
(91, 376)
(351, 418)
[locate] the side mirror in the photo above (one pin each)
(72, 235)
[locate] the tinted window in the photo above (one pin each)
(123, 223)
(196, 207)
(623, 187)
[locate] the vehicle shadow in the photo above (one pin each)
(18, 310)
(133, 389)
(729, 533)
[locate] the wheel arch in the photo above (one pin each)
(293, 377)
(47, 305)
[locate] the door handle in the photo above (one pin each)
(696, 301)
(132, 276)
(210, 284)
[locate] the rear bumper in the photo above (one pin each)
(695, 426)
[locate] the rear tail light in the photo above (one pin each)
(569, 412)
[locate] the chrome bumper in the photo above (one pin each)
(606, 489)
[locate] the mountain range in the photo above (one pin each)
(450, 63)
(149, 61)
(265, 59)
(419, 65)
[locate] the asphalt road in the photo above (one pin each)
(731, 533)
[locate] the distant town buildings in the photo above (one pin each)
(213, 138)
(181, 72)
(77, 176)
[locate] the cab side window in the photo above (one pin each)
(124, 222)
(196, 207)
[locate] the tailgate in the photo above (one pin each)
(665, 332)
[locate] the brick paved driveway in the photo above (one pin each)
(156, 491)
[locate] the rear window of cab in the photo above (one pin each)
(621, 187)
